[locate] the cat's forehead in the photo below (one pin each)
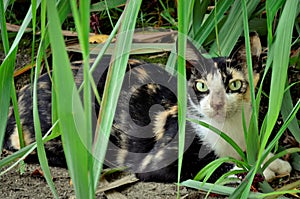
(229, 68)
(226, 65)
(220, 67)
(210, 66)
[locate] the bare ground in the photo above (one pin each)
(32, 185)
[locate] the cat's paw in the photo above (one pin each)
(277, 167)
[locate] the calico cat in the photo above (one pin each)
(144, 135)
(218, 91)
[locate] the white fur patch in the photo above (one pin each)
(231, 126)
(14, 138)
(160, 121)
(277, 167)
(228, 119)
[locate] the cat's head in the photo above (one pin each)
(220, 85)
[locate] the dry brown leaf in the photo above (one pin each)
(16, 28)
(154, 37)
(123, 181)
(112, 194)
(38, 173)
(98, 39)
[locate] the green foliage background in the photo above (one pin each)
(217, 29)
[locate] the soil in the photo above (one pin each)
(16, 185)
(32, 185)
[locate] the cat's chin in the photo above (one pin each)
(218, 116)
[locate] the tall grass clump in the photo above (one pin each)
(73, 117)
(217, 30)
(279, 45)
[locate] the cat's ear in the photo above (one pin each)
(239, 56)
(195, 61)
(240, 53)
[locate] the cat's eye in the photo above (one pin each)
(201, 86)
(235, 85)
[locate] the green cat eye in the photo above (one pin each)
(235, 85)
(201, 86)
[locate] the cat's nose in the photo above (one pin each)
(217, 101)
(217, 105)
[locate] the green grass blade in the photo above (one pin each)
(183, 25)
(234, 26)
(6, 3)
(108, 13)
(97, 167)
(208, 170)
(70, 112)
(289, 119)
(222, 135)
(218, 189)
(171, 63)
(106, 45)
(281, 51)
(199, 12)
(21, 154)
(34, 18)
(101, 6)
(113, 84)
(17, 156)
(243, 190)
(166, 14)
(6, 78)
(6, 74)
(26, 22)
(227, 177)
(17, 115)
(64, 9)
(100, 54)
(279, 155)
(205, 30)
(276, 194)
(37, 127)
(38, 137)
(271, 10)
(252, 136)
(81, 18)
(287, 106)
(3, 29)
(286, 189)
